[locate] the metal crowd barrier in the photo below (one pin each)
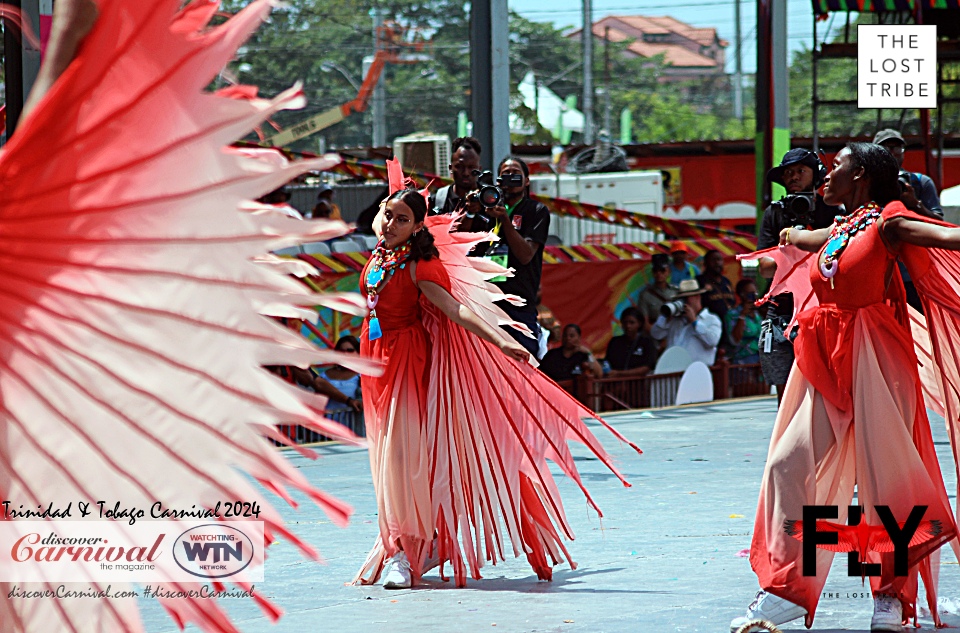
(600, 394)
(659, 390)
(353, 420)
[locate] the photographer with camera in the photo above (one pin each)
(685, 322)
(464, 168)
(522, 225)
(917, 193)
(800, 173)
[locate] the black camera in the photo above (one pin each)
(491, 195)
(672, 309)
(797, 208)
(905, 178)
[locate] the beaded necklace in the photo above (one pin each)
(385, 263)
(843, 232)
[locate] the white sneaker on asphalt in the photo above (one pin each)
(767, 606)
(887, 613)
(396, 572)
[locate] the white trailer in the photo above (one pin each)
(636, 191)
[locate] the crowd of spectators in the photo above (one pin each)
(696, 307)
(713, 318)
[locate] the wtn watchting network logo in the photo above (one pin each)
(859, 538)
(213, 551)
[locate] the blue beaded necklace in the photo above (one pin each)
(844, 230)
(385, 263)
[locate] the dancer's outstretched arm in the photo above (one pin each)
(809, 241)
(919, 233)
(464, 317)
(72, 20)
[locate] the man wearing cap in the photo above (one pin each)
(918, 193)
(681, 268)
(693, 327)
(659, 291)
(799, 172)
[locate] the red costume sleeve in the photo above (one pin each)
(936, 276)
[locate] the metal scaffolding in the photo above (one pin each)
(944, 13)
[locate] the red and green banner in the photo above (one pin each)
(673, 228)
(821, 7)
(558, 206)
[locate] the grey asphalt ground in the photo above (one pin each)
(668, 554)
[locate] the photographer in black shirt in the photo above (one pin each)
(800, 173)
(522, 225)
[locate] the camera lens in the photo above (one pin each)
(490, 196)
(672, 308)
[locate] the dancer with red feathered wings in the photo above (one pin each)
(459, 432)
(853, 413)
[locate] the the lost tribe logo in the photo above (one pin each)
(213, 551)
(858, 538)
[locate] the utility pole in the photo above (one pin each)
(773, 114)
(379, 91)
(606, 82)
(586, 40)
(22, 59)
(490, 79)
(738, 75)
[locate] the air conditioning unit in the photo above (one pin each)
(423, 153)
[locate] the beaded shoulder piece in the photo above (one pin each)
(845, 229)
(386, 261)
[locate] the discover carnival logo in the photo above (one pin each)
(115, 551)
(213, 551)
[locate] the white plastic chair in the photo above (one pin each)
(316, 248)
(345, 246)
(290, 251)
(663, 392)
(696, 385)
(371, 241)
(673, 360)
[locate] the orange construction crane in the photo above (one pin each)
(390, 42)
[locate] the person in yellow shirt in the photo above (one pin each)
(326, 207)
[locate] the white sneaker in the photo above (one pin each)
(396, 572)
(767, 606)
(887, 613)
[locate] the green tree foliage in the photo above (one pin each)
(302, 38)
(302, 35)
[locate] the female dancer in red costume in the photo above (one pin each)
(853, 412)
(459, 433)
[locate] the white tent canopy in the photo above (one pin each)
(548, 106)
(950, 197)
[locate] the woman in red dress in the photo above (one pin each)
(853, 412)
(459, 432)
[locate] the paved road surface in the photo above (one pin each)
(667, 556)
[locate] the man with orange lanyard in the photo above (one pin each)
(522, 225)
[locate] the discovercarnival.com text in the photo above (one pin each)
(149, 591)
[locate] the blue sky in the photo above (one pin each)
(700, 13)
